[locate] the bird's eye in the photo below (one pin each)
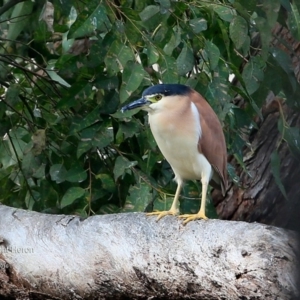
(158, 97)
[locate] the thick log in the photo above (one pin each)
(131, 256)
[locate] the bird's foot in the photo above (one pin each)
(193, 217)
(161, 214)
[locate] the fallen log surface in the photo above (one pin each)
(131, 256)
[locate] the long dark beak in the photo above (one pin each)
(135, 104)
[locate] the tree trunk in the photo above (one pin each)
(260, 199)
(130, 256)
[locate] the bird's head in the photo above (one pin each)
(156, 93)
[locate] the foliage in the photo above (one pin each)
(66, 68)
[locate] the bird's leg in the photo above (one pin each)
(201, 212)
(174, 208)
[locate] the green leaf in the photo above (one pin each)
(89, 133)
(225, 36)
(292, 136)
(151, 16)
(131, 32)
(117, 57)
(58, 173)
(149, 12)
(271, 8)
(153, 54)
(29, 164)
(242, 118)
(124, 115)
(64, 7)
(77, 92)
(108, 103)
(79, 124)
(168, 69)
(96, 54)
(246, 46)
(129, 129)
(285, 62)
(275, 169)
(218, 93)
(98, 136)
(107, 182)
(83, 147)
(253, 74)
(89, 20)
(232, 174)
(164, 203)
(294, 21)
(109, 209)
(15, 145)
(76, 174)
(265, 31)
(106, 83)
(225, 13)
(171, 45)
(213, 54)
(132, 78)
(270, 80)
(245, 7)
(42, 34)
(12, 94)
(198, 25)
(138, 199)
(163, 36)
(6, 158)
(48, 193)
(19, 19)
(121, 165)
(165, 5)
(238, 31)
(103, 137)
(71, 195)
(39, 172)
(31, 198)
(185, 61)
(54, 76)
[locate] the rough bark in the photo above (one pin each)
(259, 198)
(130, 256)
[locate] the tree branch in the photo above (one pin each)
(133, 256)
(8, 5)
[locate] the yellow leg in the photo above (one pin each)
(174, 211)
(201, 212)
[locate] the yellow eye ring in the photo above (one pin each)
(158, 97)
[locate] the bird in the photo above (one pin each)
(190, 137)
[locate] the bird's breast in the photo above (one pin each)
(178, 139)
